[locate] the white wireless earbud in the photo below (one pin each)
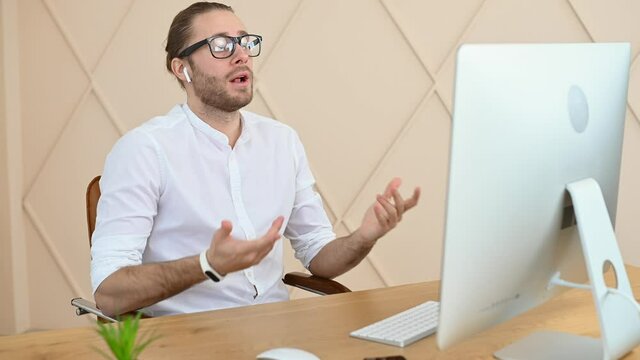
(186, 74)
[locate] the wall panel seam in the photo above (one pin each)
(584, 26)
(112, 37)
(53, 251)
(265, 96)
(458, 42)
(58, 136)
(286, 27)
(406, 39)
(382, 160)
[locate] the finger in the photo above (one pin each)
(392, 214)
(273, 233)
(381, 215)
(399, 202)
(220, 237)
(262, 250)
(378, 210)
(224, 232)
(262, 246)
(393, 184)
(413, 200)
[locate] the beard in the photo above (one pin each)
(213, 92)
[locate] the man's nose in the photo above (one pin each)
(241, 55)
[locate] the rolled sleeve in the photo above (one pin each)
(130, 190)
(309, 228)
(112, 253)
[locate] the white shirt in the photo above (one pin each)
(169, 183)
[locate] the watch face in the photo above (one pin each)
(212, 276)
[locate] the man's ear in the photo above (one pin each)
(180, 70)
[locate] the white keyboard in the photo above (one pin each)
(404, 328)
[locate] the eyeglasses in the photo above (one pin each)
(222, 46)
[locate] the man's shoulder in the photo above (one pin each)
(266, 123)
(175, 117)
(149, 131)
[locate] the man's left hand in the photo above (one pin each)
(386, 212)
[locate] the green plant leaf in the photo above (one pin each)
(121, 338)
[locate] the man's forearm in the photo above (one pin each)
(134, 287)
(340, 255)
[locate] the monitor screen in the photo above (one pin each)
(528, 119)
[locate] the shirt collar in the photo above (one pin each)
(216, 135)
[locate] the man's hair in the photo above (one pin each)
(180, 29)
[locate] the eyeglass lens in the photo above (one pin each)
(223, 46)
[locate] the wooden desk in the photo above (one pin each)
(320, 325)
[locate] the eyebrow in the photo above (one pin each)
(225, 33)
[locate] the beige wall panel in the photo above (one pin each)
(337, 80)
(364, 276)
(634, 88)
(131, 78)
(433, 27)
(611, 20)
(259, 106)
(627, 224)
(420, 157)
(266, 18)
(500, 21)
(52, 83)
(345, 74)
(57, 200)
(628, 215)
(92, 31)
(13, 255)
(49, 292)
(7, 323)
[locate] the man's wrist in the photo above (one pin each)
(208, 270)
(362, 240)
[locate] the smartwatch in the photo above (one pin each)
(207, 269)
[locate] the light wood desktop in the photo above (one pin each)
(320, 325)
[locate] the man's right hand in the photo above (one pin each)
(227, 254)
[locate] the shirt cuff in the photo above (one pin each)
(111, 253)
(309, 245)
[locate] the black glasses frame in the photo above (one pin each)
(234, 39)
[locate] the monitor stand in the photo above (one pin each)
(617, 311)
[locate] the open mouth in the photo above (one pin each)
(240, 79)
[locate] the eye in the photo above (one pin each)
(220, 44)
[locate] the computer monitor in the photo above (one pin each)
(528, 119)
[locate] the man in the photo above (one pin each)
(208, 168)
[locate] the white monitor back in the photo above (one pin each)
(528, 119)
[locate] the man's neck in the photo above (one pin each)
(227, 123)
